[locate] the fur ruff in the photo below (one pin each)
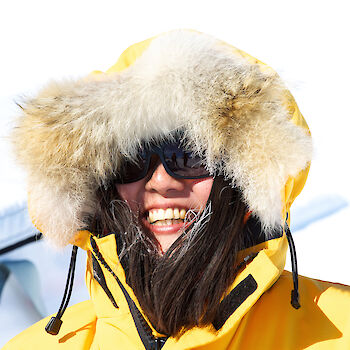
(72, 137)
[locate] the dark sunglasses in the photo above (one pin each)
(178, 163)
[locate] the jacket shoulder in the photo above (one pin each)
(321, 322)
(77, 331)
(323, 318)
(333, 299)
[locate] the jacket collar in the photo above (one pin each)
(256, 276)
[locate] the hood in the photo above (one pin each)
(234, 111)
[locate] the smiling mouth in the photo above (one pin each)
(164, 217)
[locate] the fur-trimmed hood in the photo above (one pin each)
(234, 111)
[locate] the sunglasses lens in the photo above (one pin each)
(183, 164)
(133, 170)
(178, 163)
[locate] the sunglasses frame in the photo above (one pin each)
(147, 153)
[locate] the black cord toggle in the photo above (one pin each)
(53, 326)
(55, 323)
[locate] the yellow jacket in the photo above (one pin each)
(256, 312)
(261, 316)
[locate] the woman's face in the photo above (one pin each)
(161, 202)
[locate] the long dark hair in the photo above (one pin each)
(182, 288)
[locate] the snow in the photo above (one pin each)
(306, 42)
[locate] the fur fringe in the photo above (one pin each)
(72, 136)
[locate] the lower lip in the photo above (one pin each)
(165, 229)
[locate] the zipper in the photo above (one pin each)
(149, 341)
(159, 342)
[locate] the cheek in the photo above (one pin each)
(132, 193)
(201, 190)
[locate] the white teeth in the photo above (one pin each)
(160, 214)
(176, 213)
(182, 213)
(167, 216)
(168, 222)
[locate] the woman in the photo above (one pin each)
(176, 171)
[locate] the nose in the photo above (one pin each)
(161, 182)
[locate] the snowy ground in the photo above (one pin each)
(291, 36)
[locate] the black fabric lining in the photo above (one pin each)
(254, 235)
(38, 236)
(100, 278)
(122, 258)
(233, 300)
(149, 341)
(101, 235)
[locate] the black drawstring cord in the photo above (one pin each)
(295, 292)
(54, 325)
